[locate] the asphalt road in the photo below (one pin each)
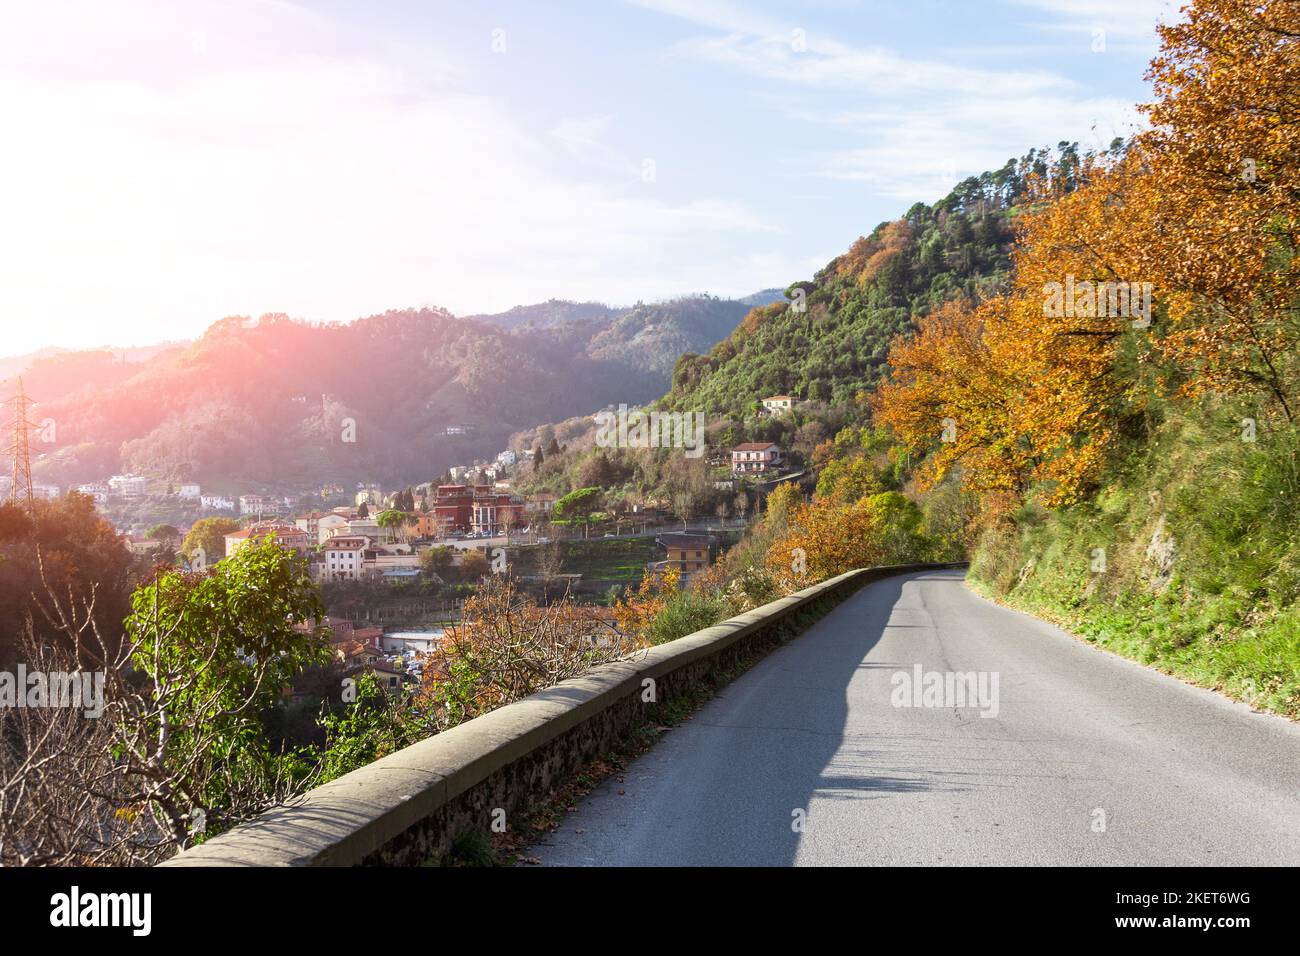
(1090, 759)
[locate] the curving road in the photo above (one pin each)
(1084, 758)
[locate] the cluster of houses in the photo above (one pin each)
(393, 658)
(349, 543)
(344, 544)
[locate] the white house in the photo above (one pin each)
(128, 486)
(327, 526)
(188, 491)
(216, 503)
(96, 489)
(397, 557)
(368, 527)
(259, 504)
(778, 404)
(342, 557)
(755, 458)
(408, 643)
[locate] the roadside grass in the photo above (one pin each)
(1199, 532)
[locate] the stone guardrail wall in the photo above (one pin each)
(407, 808)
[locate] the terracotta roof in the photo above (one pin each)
(755, 446)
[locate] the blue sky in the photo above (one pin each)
(178, 162)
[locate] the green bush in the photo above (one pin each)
(686, 612)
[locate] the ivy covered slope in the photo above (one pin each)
(837, 345)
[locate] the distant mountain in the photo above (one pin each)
(645, 337)
(11, 366)
(763, 297)
(285, 405)
(67, 373)
(654, 336)
(549, 314)
(14, 365)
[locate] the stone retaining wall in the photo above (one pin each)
(407, 808)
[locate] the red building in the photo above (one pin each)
(463, 508)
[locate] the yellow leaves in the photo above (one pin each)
(828, 536)
(635, 613)
(848, 479)
(953, 395)
(1200, 221)
(783, 499)
(1016, 390)
(1221, 221)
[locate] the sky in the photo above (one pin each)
(166, 164)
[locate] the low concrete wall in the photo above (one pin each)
(407, 808)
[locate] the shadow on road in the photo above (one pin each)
(780, 734)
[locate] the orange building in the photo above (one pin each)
(687, 553)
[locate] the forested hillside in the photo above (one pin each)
(829, 338)
(1083, 372)
(655, 336)
(278, 403)
(1131, 447)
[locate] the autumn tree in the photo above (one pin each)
(1221, 192)
(1170, 263)
(826, 537)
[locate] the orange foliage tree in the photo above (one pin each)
(826, 537)
(635, 613)
(1178, 254)
(1221, 194)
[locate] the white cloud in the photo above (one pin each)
(930, 122)
(1130, 19)
(766, 47)
(909, 155)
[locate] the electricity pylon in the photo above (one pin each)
(20, 490)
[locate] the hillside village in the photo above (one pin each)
(471, 522)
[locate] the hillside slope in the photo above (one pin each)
(277, 403)
(1188, 559)
(837, 343)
